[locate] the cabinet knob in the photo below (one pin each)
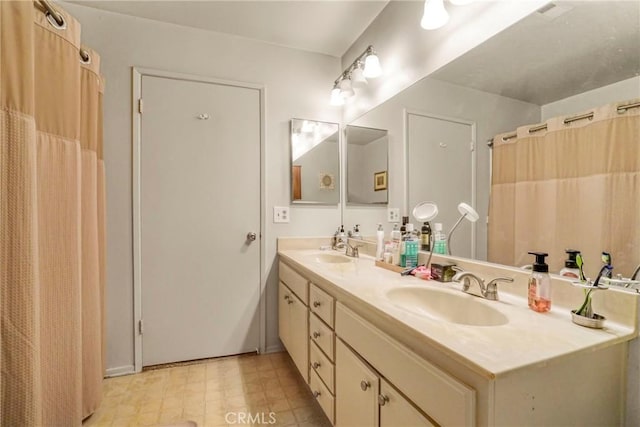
(286, 297)
(316, 334)
(316, 394)
(382, 399)
(316, 365)
(316, 303)
(364, 385)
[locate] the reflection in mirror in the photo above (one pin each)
(565, 59)
(315, 162)
(367, 177)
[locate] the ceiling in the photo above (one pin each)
(569, 49)
(327, 27)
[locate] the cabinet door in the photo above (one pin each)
(396, 411)
(299, 335)
(283, 314)
(357, 386)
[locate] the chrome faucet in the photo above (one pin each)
(352, 251)
(488, 291)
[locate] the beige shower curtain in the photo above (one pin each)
(51, 221)
(572, 185)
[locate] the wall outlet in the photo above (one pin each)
(281, 214)
(393, 214)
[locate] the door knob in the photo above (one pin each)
(251, 236)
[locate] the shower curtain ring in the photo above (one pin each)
(53, 20)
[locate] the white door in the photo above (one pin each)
(440, 169)
(199, 199)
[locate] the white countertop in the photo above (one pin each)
(528, 339)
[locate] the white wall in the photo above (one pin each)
(624, 90)
(492, 114)
(296, 84)
(621, 91)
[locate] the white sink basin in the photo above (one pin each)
(444, 305)
(332, 259)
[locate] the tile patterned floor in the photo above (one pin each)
(216, 392)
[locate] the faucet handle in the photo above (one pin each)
(492, 287)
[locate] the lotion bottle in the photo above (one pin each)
(379, 242)
(539, 289)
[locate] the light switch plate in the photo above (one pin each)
(393, 214)
(281, 214)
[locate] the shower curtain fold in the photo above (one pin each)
(51, 223)
(574, 185)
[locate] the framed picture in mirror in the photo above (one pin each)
(380, 181)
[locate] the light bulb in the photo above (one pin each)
(357, 77)
(336, 99)
(346, 90)
(372, 67)
(460, 2)
(435, 15)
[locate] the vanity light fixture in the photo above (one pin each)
(365, 66)
(435, 15)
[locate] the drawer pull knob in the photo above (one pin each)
(382, 399)
(316, 303)
(290, 301)
(316, 365)
(316, 334)
(316, 394)
(286, 297)
(364, 385)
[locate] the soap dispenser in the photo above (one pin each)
(539, 290)
(379, 242)
(356, 232)
(571, 268)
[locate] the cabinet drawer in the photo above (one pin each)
(446, 400)
(296, 282)
(322, 304)
(322, 395)
(322, 335)
(322, 365)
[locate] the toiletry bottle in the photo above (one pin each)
(356, 232)
(411, 243)
(425, 237)
(440, 240)
(395, 241)
(379, 242)
(571, 269)
(539, 290)
(403, 229)
(342, 238)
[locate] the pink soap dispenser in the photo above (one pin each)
(540, 285)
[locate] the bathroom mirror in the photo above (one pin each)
(367, 164)
(561, 60)
(315, 162)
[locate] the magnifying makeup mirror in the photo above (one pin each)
(466, 211)
(425, 211)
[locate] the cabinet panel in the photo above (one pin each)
(294, 281)
(322, 335)
(357, 388)
(298, 333)
(322, 365)
(322, 395)
(283, 314)
(396, 411)
(322, 304)
(447, 400)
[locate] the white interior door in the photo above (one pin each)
(199, 198)
(441, 169)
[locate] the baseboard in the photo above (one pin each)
(120, 370)
(274, 348)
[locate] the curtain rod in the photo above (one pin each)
(620, 109)
(51, 12)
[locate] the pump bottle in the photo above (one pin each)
(539, 290)
(571, 269)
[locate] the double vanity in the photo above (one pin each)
(377, 348)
